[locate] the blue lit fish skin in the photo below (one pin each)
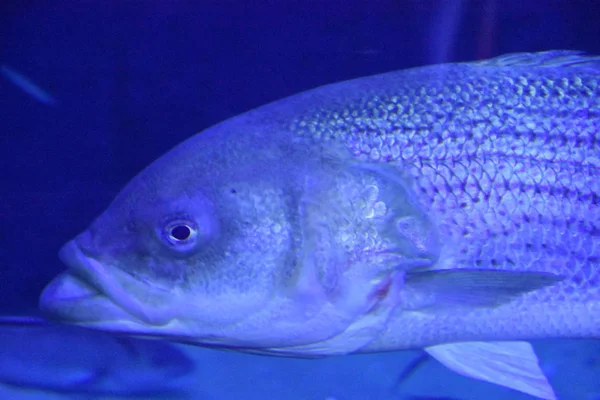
(498, 159)
(504, 156)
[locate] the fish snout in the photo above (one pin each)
(74, 285)
(87, 273)
(84, 242)
(79, 265)
(72, 255)
(90, 291)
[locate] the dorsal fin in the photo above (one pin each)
(550, 59)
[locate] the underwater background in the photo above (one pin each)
(93, 91)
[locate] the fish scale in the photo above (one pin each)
(504, 155)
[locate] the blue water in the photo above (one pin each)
(131, 79)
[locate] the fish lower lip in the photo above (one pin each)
(68, 287)
(69, 298)
(90, 275)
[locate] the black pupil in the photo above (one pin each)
(181, 232)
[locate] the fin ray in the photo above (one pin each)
(550, 59)
(470, 288)
(510, 364)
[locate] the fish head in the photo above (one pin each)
(224, 242)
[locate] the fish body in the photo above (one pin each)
(448, 207)
(81, 362)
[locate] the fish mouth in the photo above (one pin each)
(89, 292)
(67, 298)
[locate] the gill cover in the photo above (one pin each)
(362, 229)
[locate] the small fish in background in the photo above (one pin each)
(453, 208)
(27, 86)
(67, 360)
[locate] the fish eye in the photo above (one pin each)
(181, 234)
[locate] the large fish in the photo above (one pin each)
(452, 207)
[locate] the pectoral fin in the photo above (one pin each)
(469, 288)
(510, 364)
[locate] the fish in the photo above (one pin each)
(452, 208)
(28, 86)
(67, 360)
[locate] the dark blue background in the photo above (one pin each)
(135, 78)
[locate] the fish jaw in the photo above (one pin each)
(69, 299)
(94, 295)
(100, 296)
(90, 291)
